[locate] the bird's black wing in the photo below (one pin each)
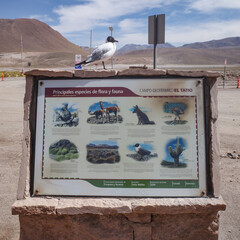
(143, 151)
(97, 54)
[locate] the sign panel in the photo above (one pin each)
(126, 137)
(78, 59)
(156, 29)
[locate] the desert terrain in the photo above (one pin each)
(11, 108)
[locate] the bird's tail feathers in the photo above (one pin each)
(85, 62)
(81, 63)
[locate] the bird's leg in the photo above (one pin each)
(175, 119)
(103, 65)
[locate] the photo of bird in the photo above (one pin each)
(101, 53)
(141, 151)
(177, 109)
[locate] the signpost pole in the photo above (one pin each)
(224, 77)
(91, 42)
(22, 54)
(156, 33)
(111, 29)
(155, 43)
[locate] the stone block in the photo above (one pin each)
(94, 73)
(50, 73)
(138, 218)
(93, 206)
(84, 227)
(35, 206)
(177, 205)
(142, 231)
(142, 72)
(197, 73)
(185, 226)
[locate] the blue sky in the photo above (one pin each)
(187, 21)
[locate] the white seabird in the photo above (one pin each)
(101, 53)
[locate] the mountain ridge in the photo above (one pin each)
(231, 42)
(214, 44)
(133, 47)
(36, 37)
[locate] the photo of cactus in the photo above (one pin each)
(174, 151)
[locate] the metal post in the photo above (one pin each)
(224, 76)
(111, 29)
(22, 53)
(155, 43)
(156, 33)
(90, 41)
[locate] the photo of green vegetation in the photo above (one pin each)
(63, 150)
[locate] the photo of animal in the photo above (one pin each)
(110, 109)
(66, 115)
(143, 152)
(177, 109)
(98, 114)
(142, 117)
(104, 112)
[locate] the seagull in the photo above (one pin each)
(140, 150)
(102, 52)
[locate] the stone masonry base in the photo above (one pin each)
(120, 227)
(119, 219)
(78, 218)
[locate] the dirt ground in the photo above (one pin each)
(11, 109)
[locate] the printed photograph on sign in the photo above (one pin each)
(174, 153)
(100, 152)
(66, 115)
(104, 112)
(142, 152)
(141, 113)
(63, 150)
(177, 109)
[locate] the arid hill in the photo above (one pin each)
(134, 47)
(231, 42)
(37, 37)
(182, 56)
(202, 53)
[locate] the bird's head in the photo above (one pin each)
(111, 39)
(137, 146)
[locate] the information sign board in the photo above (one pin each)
(120, 137)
